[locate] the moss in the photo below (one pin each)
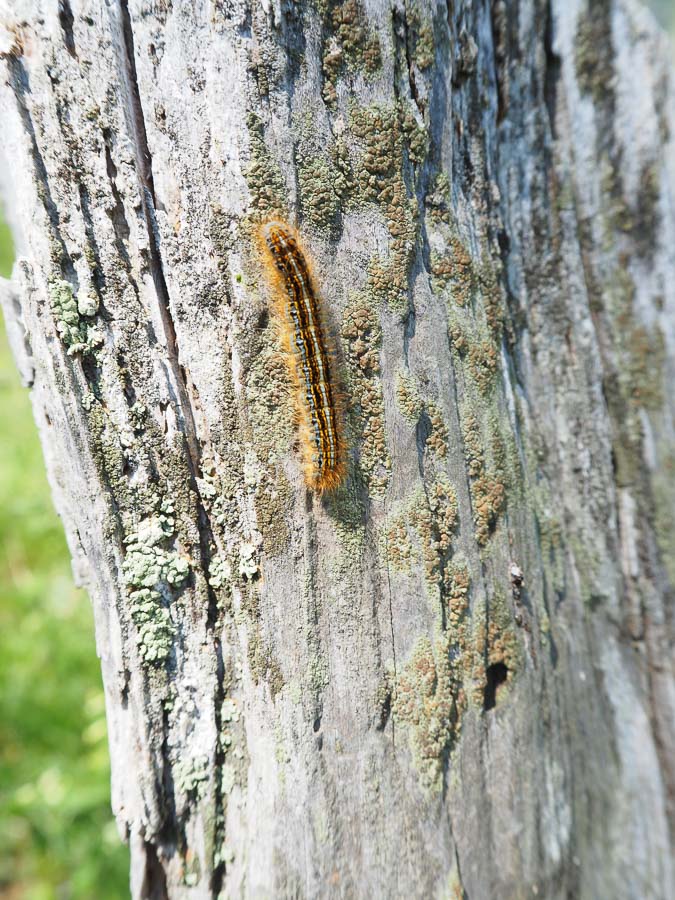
(70, 314)
(362, 336)
(262, 174)
(348, 44)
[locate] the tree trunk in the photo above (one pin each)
(451, 676)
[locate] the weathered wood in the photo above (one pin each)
(454, 676)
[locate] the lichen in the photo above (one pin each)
(422, 532)
(191, 775)
(415, 133)
(454, 270)
(379, 179)
(483, 363)
(457, 582)
(151, 573)
(413, 407)
(263, 176)
(322, 187)
(488, 492)
(348, 44)
(424, 702)
(593, 50)
(362, 336)
(70, 315)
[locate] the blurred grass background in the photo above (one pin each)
(58, 840)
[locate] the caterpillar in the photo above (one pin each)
(309, 356)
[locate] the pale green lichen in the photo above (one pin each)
(248, 560)
(321, 188)
(191, 775)
(488, 492)
(151, 571)
(220, 572)
(78, 335)
(379, 180)
(262, 174)
(362, 336)
(348, 44)
(422, 532)
(483, 360)
(413, 406)
(424, 702)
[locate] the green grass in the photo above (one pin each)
(57, 835)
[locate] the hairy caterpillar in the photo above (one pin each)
(309, 355)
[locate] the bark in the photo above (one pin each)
(453, 677)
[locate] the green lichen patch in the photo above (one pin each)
(415, 134)
(349, 44)
(594, 53)
(322, 187)
(413, 407)
(379, 180)
(488, 490)
(457, 582)
(425, 704)
(152, 570)
(70, 315)
(362, 337)
(191, 775)
(421, 534)
(262, 174)
(419, 36)
(483, 359)
(454, 269)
